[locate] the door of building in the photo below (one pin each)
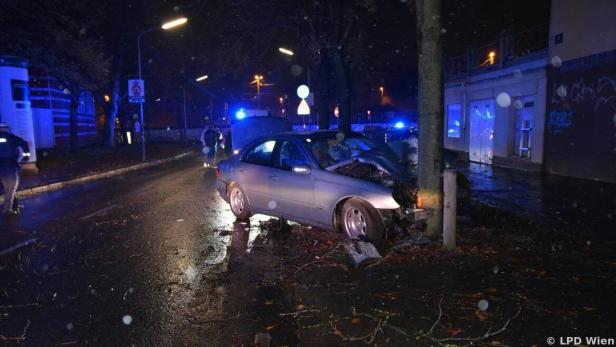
(482, 131)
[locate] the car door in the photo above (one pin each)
(292, 192)
(254, 171)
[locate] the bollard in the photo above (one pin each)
(449, 208)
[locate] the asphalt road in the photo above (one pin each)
(140, 259)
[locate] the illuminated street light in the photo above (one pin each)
(174, 23)
(166, 26)
(492, 57)
(285, 51)
(258, 81)
(107, 98)
(201, 78)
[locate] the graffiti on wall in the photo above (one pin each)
(600, 92)
(559, 121)
(595, 96)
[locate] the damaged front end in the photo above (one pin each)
(403, 186)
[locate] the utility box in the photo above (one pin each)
(15, 106)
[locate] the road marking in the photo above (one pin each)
(99, 212)
(17, 246)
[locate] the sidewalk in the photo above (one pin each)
(568, 202)
(56, 166)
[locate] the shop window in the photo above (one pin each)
(454, 120)
(524, 130)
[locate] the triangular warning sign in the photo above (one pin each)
(303, 109)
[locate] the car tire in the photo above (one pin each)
(239, 203)
(359, 220)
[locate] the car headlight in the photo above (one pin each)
(386, 202)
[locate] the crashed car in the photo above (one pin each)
(325, 179)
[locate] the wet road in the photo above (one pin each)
(133, 260)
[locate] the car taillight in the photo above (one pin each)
(218, 172)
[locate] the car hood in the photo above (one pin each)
(369, 164)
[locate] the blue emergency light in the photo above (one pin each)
(240, 114)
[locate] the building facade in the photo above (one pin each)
(580, 132)
(52, 117)
(495, 105)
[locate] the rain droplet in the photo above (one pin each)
(495, 269)
(206, 150)
(518, 104)
(66, 91)
(82, 31)
(517, 73)
(176, 8)
(614, 119)
(556, 61)
(69, 326)
(272, 204)
(296, 70)
(339, 137)
(127, 319)
(483, 304)
(131, 290)
(443, 31)
(561, 91)
(503, 99)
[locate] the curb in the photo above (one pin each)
(16, 246)
(80, 180)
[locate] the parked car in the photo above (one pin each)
(322, 178)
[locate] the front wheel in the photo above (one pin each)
(359, 220)
(239, 203)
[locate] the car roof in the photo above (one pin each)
(299, 136)
(316, 134)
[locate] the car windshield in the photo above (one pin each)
(329, 151)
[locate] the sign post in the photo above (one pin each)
(136, 95)
(136, 91)
(303, 109)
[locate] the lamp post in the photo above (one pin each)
(166, 26)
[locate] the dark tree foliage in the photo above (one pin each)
(327, 36)
(56, 36)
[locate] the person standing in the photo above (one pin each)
(9, 165)
(209, 140)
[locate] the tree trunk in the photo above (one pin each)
(322, 97)
(113, 112)
(73, 121)
(430, 97)
(344, 93)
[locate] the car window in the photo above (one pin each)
(290, 155)
(261, 154)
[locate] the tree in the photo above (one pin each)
(54, 35)
(430, 109)
(327, 35)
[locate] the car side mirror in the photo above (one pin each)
(301, 169)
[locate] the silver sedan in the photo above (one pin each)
(324, 178)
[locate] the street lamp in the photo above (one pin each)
(285, 51)
(174, 23)
(166, 26)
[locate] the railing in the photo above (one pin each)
(508, 48)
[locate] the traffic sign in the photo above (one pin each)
(136, 91)
(303, 109)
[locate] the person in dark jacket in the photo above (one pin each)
(210, 138)
(9, 165)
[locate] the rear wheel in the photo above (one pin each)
(239, 203)
(359, 220)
